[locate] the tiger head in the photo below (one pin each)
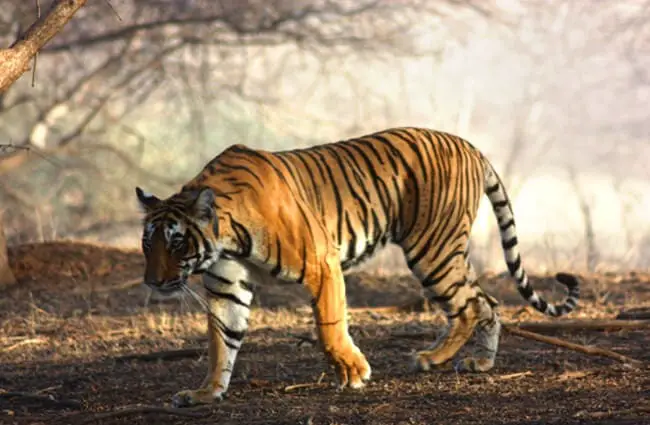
(179, 237)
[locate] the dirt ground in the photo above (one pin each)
(77, 310)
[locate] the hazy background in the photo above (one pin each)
(555, 92)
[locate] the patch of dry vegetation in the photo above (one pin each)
(78, 309)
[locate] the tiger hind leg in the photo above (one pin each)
(461, 321)
(485, 343)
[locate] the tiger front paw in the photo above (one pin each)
(352, 368)
(189, 398)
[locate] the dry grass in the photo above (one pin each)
(63, 324)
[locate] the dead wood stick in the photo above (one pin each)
(639, 313)
(514, 375)
(142, 410)
(577, 325)
(46, 399)
(586, 349)
(28, 341)
(594, 351)
(182, 353)
(306, 385)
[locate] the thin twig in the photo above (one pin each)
(142, 410)
(514, 375)
(586, 349)
(28, 341)
(307, 385)
(119, 18)
(48, 399)
(38, 16)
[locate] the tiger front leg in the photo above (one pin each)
(330, 312)
(229, 296)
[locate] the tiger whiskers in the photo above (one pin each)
(197, 297)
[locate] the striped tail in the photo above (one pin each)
(496, 192)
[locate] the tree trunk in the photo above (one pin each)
(7, 277)
(591, 248)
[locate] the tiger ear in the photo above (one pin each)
(204, 204)
(148, 201)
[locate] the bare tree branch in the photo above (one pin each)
(15, 60)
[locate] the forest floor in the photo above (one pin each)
(77, 312)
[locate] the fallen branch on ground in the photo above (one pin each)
(307, 385)
(24, 342)
(46, 399)
(182, 353)
(514, 375)
(640, 313)
(586, 349)
(578, 325)
(142, 410)
(515, 330)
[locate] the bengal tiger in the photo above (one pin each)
(307, 215)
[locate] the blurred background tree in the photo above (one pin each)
(542, 87)
(14, 61)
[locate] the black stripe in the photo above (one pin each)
(303, 269)
(411, 178)
(514, 266)
(507, 224)
(231, 167)
(449, 293)
(226, 295)
(353, 238)
(249, 286)
(310, 174)
(218, 278)
(445, 262)
(451, 316)
(230, 345)
(510, 243)
(337, 196)
(245, 239)
(236, 335)
(490, 190)
(360, 200)
(278, 264)
(433, 281)
(526, 291)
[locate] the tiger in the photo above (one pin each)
(308, 215)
